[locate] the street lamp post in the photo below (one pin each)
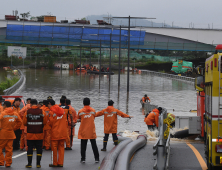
(129, 43)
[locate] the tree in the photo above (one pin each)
(25, 15)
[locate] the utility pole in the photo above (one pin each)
(129, 43)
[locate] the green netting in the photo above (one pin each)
(74, 52)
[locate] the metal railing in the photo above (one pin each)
(17, 86)
(162, 146)
(171, 76)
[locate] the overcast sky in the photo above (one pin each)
(181, 12)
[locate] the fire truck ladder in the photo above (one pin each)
(219, 103)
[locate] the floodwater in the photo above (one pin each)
(168, 93)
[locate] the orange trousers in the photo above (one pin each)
(8, 145)
(23, 141)
(57, 146)
(68, 138)
(47, 139)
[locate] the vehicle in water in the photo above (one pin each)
(97, 72)
(83, 70)
(181, 67)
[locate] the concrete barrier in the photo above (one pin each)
(17, 86)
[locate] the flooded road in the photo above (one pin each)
(171, 94)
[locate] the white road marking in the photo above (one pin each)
(16, 156)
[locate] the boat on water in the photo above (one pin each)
(97, 72)
(83, 70)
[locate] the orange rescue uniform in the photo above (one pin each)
(1, 108)
(23, 140)
(87, 129)
(16, 144)
(47, 128)
(59, 134)
(10, 121)
(74, 116)
(110, 118)
(34, 136)
(153, 117)
(68, 112)
(145, 99)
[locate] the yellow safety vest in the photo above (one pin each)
(171, 117)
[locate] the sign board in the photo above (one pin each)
(17, 51)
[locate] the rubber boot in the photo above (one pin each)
(39, 157)
(116, 142)
(29, 165)
(104, 146)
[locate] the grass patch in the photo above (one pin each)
(9, 82)
(162, 71)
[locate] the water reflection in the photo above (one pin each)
(164, 92)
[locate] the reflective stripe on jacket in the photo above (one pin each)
(110, 118)
(87, 129)
(9, 121)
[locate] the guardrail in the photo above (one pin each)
(162, 146)
(171, 76)
(17, 86)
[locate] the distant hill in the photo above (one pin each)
(137, 22)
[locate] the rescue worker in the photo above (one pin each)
(91, 68)
(47, 128)
(58, 133)
(94, 68)
(68, 114)
(10, 121)
(28, 100)
(49, 97)
(63, 97)
(18, 132)
(172, 119)
(23, 140)
(1, 107)
(71, 128)
(35, 120)
(40, 104)
(145, 99)
(110, 122)
(87, 130)
(153, 118)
